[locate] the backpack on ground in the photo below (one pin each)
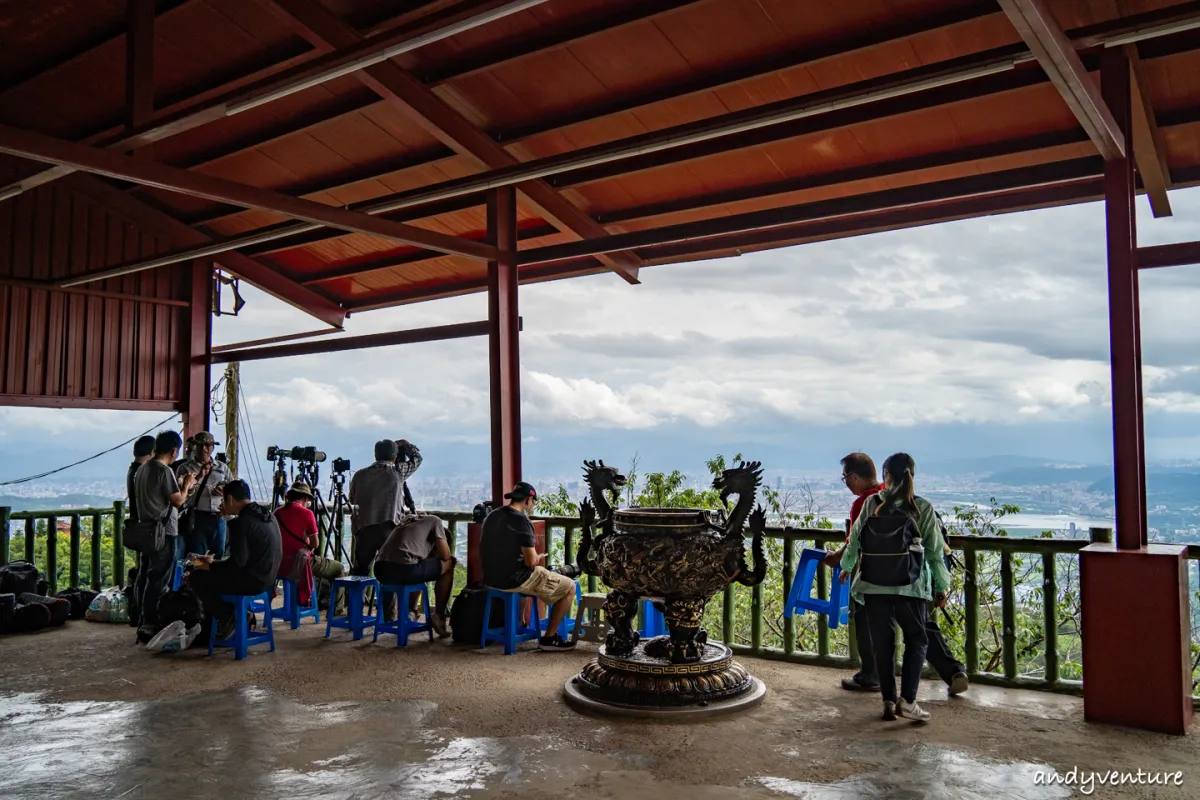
(79, 599)
(182, 605)
(466, 615)
(18, 577)
(890, 548)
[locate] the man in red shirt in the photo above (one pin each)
(858, 473)
(298, 530)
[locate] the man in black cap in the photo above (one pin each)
(255, 552)
(202, 528)
(512, 564)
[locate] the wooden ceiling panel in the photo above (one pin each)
(36, 38)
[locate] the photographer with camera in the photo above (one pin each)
(300, 537)
(202, 529)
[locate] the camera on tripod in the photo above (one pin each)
(309, 453)
(341, 465)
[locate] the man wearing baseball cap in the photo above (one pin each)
(511, 563)
(202, 528)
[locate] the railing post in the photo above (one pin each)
(727, 615)
(97, 546)
(76, 535)
(5, 513)
(452, 535)
(52, 554)
(569, 544)
(1008, 608)
(30, 539)
(756, 617)
(789, 575)
(971, 610)
(119, 543)
(1050, 610)
(822, 619)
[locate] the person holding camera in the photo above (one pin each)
(377, 497)
(512, 564)
(202, 527)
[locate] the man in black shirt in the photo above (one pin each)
(255, 550)
(511, 564)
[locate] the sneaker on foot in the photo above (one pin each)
(555, 643)
(853, 685)
(889, 711)
(417, 617)
(959, 684)
(438, 620)
(911, 710)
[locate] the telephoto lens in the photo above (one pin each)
(568, 571)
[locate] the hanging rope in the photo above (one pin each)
(244, 416)
(130, 440)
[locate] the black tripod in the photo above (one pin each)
(279, 481)
(330, 520)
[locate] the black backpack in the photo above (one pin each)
(18, 577)
(466, 615)
(891, 550)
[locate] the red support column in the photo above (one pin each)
(196, 377)
(1134, 586)
(503, 343)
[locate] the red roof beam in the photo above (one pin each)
(1057, 56)
(448, 125)
(304, 76)
(1168, 255)
(1149, 152)
(26, 144)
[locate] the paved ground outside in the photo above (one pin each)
(85, 714)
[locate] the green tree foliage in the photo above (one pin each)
(558, 504)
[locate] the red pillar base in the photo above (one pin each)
(1136, 629)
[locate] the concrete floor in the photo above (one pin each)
(85, 714)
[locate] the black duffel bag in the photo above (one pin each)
(18, 577)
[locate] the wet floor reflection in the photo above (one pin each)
(251, 743)
(906, 771)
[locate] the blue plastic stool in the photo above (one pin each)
(242, 639)
(292, 611)
(512, 633)
(568, 624)
(402, 626)
(653, 623)
(355, 620)
(800, 598)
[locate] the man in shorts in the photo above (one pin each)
(511, 564)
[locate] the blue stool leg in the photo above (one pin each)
(428, 616)
(402, 601)
(268, 621)
(487, 617)
(242, 630)
(511, 618)
(212, 634)
(356, 613)
(329, 611)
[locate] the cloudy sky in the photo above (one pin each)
(977, 338)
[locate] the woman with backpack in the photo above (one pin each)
(898, 545)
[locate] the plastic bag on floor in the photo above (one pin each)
(108, 606)
(174, 637)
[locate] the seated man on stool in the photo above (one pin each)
(416, 552)
(255, 550)
(511, 564)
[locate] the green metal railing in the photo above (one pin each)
(562, 536)
(45, 525)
